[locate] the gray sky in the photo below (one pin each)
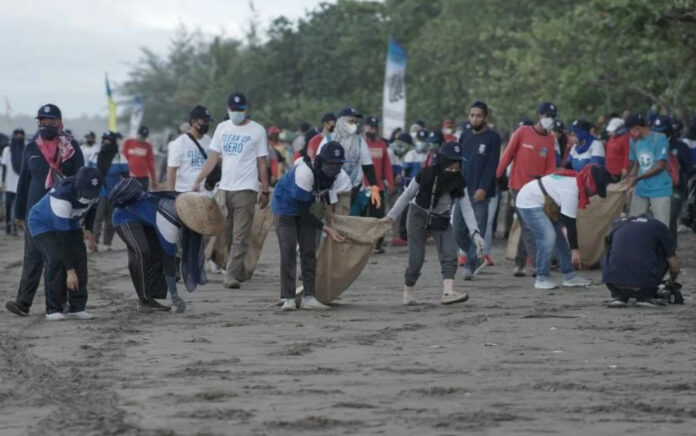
(58, 51)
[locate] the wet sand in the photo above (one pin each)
(511, 360)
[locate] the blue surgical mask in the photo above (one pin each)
(420, 146)
(237, 117)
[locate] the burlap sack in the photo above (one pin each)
(339, 264)
(199, 213)
(593, 224)
(217, 247)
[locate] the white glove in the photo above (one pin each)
(480, 243)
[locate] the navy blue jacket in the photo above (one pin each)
(481, 154)
(32, 177)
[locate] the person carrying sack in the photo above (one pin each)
(430, 196)
(552, 202)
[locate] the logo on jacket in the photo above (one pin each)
(543, 152)
(482, 149)
(95, 181)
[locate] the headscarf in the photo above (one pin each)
(16, 149)
(585, 139)
(106, 156)
(351, 145)
(583, 179)
(56, 151)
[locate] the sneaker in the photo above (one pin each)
(479, 268)
(157, 307)
(409, 298)
(454, 297)
(650, 303)
(577, 282)
(231, 284)
(379, 250)
(518, 271)
(288, 304)
(212, 266)
(179, 303)
(489, 261)
(55, 316)
(545, 284)
(82, 315)
(144, 307)
(17, 308)
(462, 259)
(467, 274)
(398, 242)
(617, 303)
(311, 303)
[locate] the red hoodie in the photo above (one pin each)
(141, 158)
(616, 150)
(531, 154)
(383, 166)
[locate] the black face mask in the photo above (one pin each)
(48, 133)
(331, 129)
(90, 142)
(331, 171)
(371, 136)
(18, 139)
(478, 128)
(203, 128)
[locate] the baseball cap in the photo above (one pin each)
(422, 135)
(329, 116)
(88, 182)
(372, 121)
(143, 131)
(614, 124)
(436, 137)
(332, 152)
(349, 112)
(405, 137)
(663, 123)
(90, 134)
(581, 124)
(109, 135)
(200, 112)
(634, 120)
(237, 101)
(558, 126)
(547, 108)
(49, 111)
(451, 150)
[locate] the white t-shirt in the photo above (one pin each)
(90, 153)
(11, 177)
(239, 147)
(185, 155)
(304, 178)
(562, 189)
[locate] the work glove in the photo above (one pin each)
(480, 243)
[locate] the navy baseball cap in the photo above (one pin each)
(200, 112)
(237, 101)
(451, 150)
(144, 131)
(332, 152)
(90, 134)
(405, 137)
(526, 121)
(634, 120)
(109, 135)
(436, 137)
(88, 182)
(422, 135)
(558, 126)
(329, 116)
(547, 108)
(581, 124)
(49, 111)
(372, 121)
(349, 112)
(663, 123)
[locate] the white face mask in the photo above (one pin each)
(352, 128)
(237, 117)
(547, 123)
(447, 131)
(420, 146)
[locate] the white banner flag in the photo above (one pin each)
(136, 116)
(394, 102)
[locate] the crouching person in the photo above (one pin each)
(430, 196)
(640, 251)
(552, 202)
(54, 223)
(149, 225)
(294, 194)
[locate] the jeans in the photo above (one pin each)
(547, 237)
(525, 246)
(417, 235)
(490, 226)
(659, 206)
(461, 231)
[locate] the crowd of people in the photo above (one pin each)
(440, 181)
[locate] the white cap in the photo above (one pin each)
(615, 124)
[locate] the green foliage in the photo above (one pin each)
(591, 57)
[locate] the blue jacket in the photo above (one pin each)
(481, 153)
(118, 170)
(147, 212)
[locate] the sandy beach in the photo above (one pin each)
(511, 360)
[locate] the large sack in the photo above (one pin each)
(199, 213)
(595, 221)
(339, 264)
(218, 247)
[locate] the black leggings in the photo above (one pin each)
(148, 264)
(55, 275)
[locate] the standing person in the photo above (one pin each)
(398, 149)
(448, 130)
(586, 149)
(561, 147)
(358, 160)
(531, 151)
(299, 142)
(650, 182)
(435, 140)
(680, 192)
(54, 224)
(279, 155)
(480, 152)
(296, 225)
(640, 250)
(617, 147)
(49, 158)
(242, 147)
(328, 124)
(383, 172)
(90, 148)
(415, 160)
(690, 138)
(112, 166)
(141, 158)
(430, 196)
(11, 166)
(188, 152)
(550, 203)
